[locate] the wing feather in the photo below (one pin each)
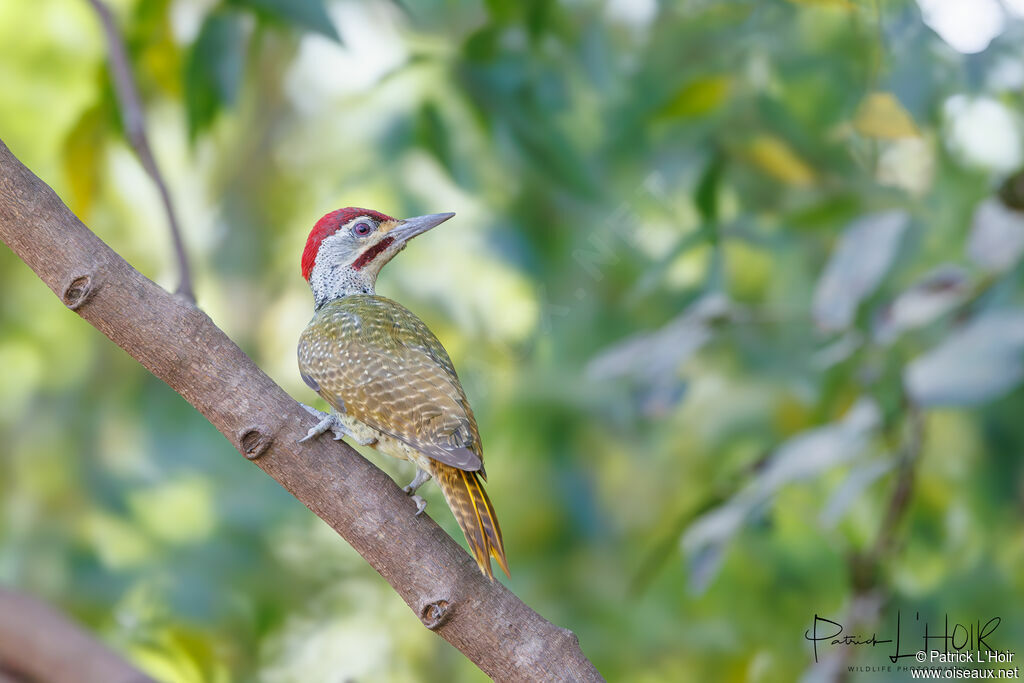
(378, 360)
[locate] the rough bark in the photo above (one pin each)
(37, 643)
(179, 343)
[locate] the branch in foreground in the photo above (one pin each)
(180, 344)
(134, 121)
(37, 643)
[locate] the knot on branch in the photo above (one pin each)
(435, 614)
(571, 636)
(253, 442)
(78, 292)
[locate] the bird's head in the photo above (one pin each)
(347, 248)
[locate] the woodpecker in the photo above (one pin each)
(388, 379)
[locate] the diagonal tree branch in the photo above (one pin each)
(134, 120)
(37, 643)
(180, 344)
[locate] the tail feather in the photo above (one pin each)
(475, 514)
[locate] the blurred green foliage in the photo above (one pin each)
(723, 274)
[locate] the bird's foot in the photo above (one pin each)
(329, 422)
(422, 477)
(421, 504)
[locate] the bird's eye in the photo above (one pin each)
(362, 228)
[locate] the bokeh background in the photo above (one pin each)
(734, 287)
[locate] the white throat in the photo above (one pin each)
(333, 277)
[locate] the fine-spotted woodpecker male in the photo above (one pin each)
(388, 379)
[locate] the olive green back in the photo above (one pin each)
(375, 360)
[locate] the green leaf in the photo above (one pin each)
(213, 70)
(432, 134)
(825, 212)
(538, 17)
(706, 195)
(309, 15)
(697, 98)
(482, 45)
(501, 11)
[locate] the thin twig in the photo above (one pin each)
(865, 568)
(134, 120)
(899, 502)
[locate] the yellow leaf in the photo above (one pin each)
(697, 98)
(882, 116)
(162, 63)
(165, 664)
(83, 148)
(777, 159)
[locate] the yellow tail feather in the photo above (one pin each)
(475, 514)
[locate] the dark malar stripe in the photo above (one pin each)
(372, 253)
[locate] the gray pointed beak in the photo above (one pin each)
(410, 227)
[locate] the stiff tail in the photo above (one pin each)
(475, 514)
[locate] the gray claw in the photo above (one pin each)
(330, 423)
(321, 427)
(422, 477)
(421, 504)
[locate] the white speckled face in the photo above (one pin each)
(333, 274)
